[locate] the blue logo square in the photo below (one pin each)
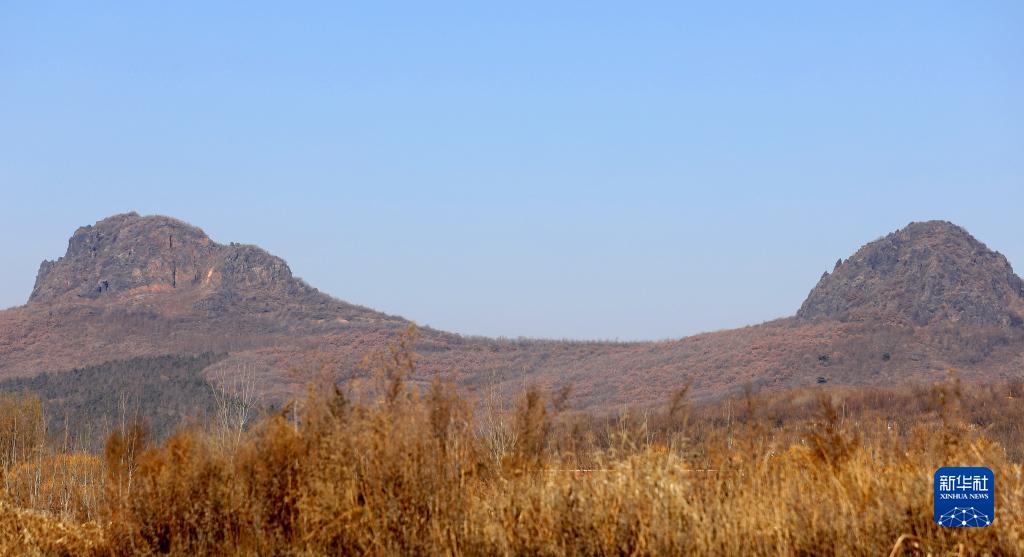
(965, 497)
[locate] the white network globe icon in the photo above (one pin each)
(966, 516)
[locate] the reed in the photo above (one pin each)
(385, 469)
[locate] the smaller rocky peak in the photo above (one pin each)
(924, 272)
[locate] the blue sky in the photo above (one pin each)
(590, 170)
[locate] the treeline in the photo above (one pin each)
(84, 405)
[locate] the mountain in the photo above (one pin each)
(130, 257)
(925, 273)
(134, 285)
(907, 307)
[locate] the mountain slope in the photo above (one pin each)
(907, 307)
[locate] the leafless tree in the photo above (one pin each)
(497, 427)
(237, 397)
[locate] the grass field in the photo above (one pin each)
(382, 469)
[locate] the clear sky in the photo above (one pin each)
(593, 170)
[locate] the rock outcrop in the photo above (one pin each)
(923, 273)
(124, 252)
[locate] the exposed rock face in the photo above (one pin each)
(127, 254)
(925, 272)
(124, 252)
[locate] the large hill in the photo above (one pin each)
(907, 307)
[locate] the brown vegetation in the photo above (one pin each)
(382, 468)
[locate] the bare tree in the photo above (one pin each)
(237, 398)
(498, 427)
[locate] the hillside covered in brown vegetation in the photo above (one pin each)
(904, 308)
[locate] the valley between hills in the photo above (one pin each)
(906, 308)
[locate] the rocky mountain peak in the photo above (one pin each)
(924, 272)
(131, 253)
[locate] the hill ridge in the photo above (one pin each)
(910, 306)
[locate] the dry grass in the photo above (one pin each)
(386, 470)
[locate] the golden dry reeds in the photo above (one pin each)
(386, 469)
